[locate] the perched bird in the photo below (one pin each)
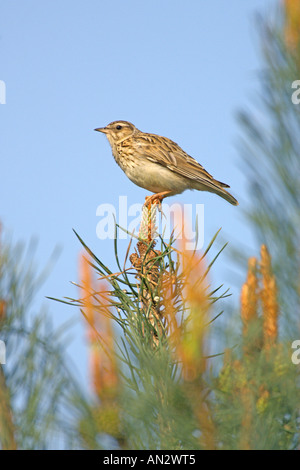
(158, 164)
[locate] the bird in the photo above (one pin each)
(158, 164)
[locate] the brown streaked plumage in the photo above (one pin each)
(158, 164)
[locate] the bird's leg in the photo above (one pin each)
(156, 198)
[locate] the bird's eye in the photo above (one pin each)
(118, 127)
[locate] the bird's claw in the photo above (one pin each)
(152, 200)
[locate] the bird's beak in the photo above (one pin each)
(101, 129)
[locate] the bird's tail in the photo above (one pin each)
(226, 195)
(217, 187)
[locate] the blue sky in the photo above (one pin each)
(178, 69)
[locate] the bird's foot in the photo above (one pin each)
(156, 199)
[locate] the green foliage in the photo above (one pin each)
(270, 151)
(155, 407)
(40, 385)
(257, 401)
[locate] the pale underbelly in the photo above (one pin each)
(156, 178)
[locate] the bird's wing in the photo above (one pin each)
(167, 153)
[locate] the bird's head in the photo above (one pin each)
(118, 131)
